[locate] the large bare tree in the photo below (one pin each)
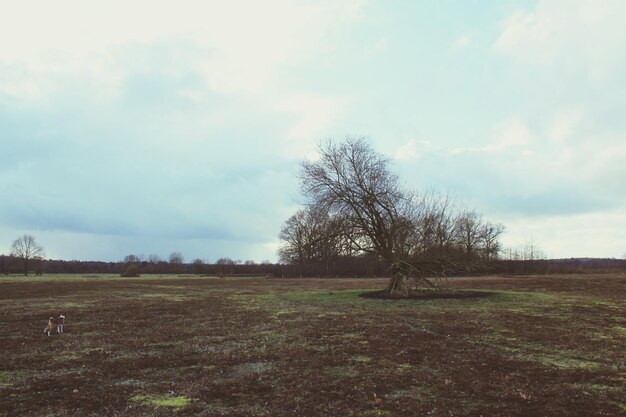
(26, 248)
(352, 181)
(421, 236)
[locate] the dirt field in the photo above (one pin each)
(525, 346)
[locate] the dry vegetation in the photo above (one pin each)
(255, 347)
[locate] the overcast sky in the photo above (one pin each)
(148, 127)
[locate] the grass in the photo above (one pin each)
(98, 277)
(258, 347)
(7, 378)
(162, 400)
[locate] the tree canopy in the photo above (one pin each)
(355, 204)
(26, 248)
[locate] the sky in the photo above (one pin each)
(147, 127)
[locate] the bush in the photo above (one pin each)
(131, 270)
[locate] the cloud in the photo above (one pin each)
(244, 44)
(153, 122)
(507, 134)
(313, 115)
(407, 151)
(564, 124)
(569, 37)
(595, 234)
(463, 41)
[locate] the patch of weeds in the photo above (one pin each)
(620, 329)
(404, 366)
(376, 412)
(130, 382)
(70, 357)
(410, 392)
(344, 298)
(252, 368)
(166, 297)
(341, 371)
(93, 333)
(563, 359)
(162, 400)
(602, 389)
(279, 313)
(362, 359)
(201, 367)
(253, 301)
(74, 305)
(7, 378)
(272, 336)
(559, 358)
(318, 348)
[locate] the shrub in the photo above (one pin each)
(131, 270)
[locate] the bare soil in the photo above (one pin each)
(163, 346)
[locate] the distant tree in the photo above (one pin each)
(3, 265)
(131, 270)
(154, 259)
(226, 265)
(131, 266)
(198, 266)
(131, 259)
(468, 229)
(249, 262)
(477, 238)
(27, 249)
(176, 258)
(312, 235)
(224, 261)
(489, 239)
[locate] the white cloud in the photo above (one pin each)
(569, 36)
(463, 41)
(409, 150)
(564, 124)
(509, 133)
(245, 43)
(313, 116)
(598, 234)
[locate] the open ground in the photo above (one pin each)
(164, 345)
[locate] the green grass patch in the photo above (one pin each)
(166, 297)
(601, 389)
(98, 277)
(341, 371)
(162, 400)
(376, 412)
(7, 378)
(514, 301)
(549, 356)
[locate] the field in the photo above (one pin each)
(168, 346)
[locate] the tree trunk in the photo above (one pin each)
(397, 284)
(25, 267)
